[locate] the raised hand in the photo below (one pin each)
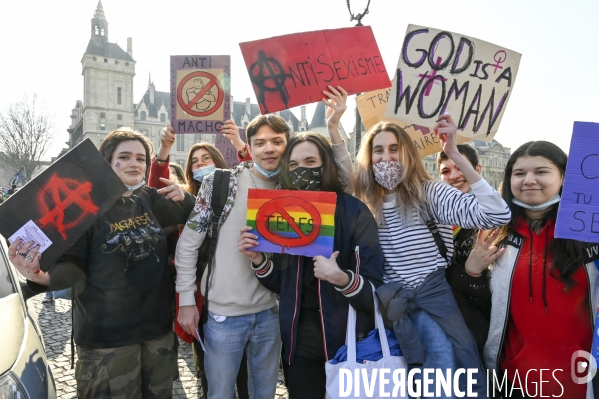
(230, 130)
(483, 254)
(447, 132)
(336, 99)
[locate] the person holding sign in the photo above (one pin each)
(238, 303)
(473, 299)
(415, 215)
(242, 314)
(122, 285)
(203, 158)
(315, 293)
(545, 290)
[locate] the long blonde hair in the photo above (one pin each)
(411, 195)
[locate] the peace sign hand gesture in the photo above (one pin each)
(483, 254)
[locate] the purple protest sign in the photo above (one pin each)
(578, 214)
(228, 150)
(200, 92)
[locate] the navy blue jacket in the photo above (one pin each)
(357, 240)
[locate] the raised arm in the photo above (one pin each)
(230, 130)
(336, 101)
(483, 210)
(160, 163)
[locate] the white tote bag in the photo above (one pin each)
(386, 377)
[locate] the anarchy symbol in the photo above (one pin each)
(64, 193)
(268, 76)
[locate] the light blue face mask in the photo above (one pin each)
(266, 173)
(540, 207)
(199, 174)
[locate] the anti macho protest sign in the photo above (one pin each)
(444, 72)
(294, 222)
(200, 92)
(292, 70)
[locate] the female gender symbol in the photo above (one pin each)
(499, 60)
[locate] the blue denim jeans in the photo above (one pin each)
(226, 338)
(439, 351)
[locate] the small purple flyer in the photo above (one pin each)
(200, 92)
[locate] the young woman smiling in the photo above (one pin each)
(544, 289)
(409, 206)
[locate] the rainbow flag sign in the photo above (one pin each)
(292, 222)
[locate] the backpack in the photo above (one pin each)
(220, 192)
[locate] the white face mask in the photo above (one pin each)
(135, 187)
(540, 207)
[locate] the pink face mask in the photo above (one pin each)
(388, 173)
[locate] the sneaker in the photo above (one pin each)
(48, 299)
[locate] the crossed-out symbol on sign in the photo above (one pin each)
(188, 104)
(64, 193)
(278, 205)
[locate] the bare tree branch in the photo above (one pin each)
(26, 130)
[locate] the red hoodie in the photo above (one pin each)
(546, 324)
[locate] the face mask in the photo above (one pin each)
(388, 173)
(199, 174)
(540, 207)
(308, 179)
(266, 173)
(135, 187)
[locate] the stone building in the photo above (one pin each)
(107, 104)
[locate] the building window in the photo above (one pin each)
(102, 126)
(102, 115)
(197, 138)
(118, 95)
(116, 62)
(95, 59)
(105, 59)
(126, 64)
(119, 117)
(143, 115)
(181, 144)
(119, 126)
(162, 117)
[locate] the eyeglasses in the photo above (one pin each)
(206, 158)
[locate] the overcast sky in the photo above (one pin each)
(43, 43)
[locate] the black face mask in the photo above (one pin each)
(308, 179)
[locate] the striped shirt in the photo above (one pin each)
(409, 248)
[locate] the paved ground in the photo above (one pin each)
(55, 322)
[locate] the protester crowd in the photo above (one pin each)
(466, 277)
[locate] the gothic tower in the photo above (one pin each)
(108, 73)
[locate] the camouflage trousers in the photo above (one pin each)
(136, 371)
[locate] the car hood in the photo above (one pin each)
(12, 330)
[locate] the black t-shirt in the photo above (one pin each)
(123, 287)
(472, 294)
(309, 333)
